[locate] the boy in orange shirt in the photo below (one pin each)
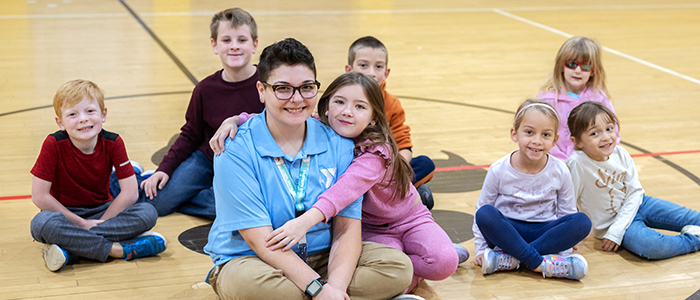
(369, 56)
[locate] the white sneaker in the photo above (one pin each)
(692, 229)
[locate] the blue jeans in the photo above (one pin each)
(646, 242)
(50, 227)
(528, 241)
(188, 191)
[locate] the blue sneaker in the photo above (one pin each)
(573, 266)
(498, 261)
(147, 244)
(56, 258)
(462, 253)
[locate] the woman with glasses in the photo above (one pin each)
(275, 169)
(578, 77)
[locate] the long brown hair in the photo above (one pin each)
(377, 132)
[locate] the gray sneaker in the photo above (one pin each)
(692, 229)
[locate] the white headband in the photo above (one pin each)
(536, 104)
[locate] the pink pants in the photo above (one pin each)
(427, 245)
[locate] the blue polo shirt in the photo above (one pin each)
(250, 191)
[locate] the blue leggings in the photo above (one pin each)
(528, 241)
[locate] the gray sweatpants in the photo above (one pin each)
(50, 227)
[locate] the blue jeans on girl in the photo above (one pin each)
(646, 242)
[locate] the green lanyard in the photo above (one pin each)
(298, 192)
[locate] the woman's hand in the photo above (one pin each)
(154, 183)
(228, 128)
(609, 246)
(330, 292)
(286, 236)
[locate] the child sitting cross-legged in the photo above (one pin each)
(607, 189)
(78, 216)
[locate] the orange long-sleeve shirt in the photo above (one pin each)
(397, 118)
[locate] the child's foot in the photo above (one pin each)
(462, 253)
(573, 266)
(426, 196)
(147, 173)
(146, 244)
(498, 261)
(56, 258)
(692, 229)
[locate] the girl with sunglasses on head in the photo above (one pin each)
(578, 77)
(526, 211)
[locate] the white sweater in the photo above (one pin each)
(608, 192)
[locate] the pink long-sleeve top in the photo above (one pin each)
(366, 175)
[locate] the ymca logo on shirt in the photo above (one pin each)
(328, 177)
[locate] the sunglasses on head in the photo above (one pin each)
(572, 64)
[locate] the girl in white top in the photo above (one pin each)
(608, 191)
(527, 207)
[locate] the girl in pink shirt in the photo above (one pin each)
(578, 77)
(392, 213)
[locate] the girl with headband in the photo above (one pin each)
(526, 211)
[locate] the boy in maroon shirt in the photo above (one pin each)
(183, 180)
(78, 216)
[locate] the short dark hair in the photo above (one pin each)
(288, 52)
(365, 42)
(583, 116)
(237, 17)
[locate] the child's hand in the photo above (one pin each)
(154, 183)
(609, 246)
(286, 236)
(91, 223)
(478, 259)
(228, 128)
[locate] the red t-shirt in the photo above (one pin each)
(79, 179)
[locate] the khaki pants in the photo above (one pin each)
(382, 272)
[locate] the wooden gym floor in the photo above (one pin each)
(460, 69)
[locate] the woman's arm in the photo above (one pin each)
(345, 251)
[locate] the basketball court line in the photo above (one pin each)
(455, 168)
(613, 51)
(354, 12)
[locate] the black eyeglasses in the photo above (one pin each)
(572, 64)
(286, 91)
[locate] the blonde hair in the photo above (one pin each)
(579, 48)
(536, 105)
(75, 91)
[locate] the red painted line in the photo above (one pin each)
(16, 197)
(665, 153)
(445, 169)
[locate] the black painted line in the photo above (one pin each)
(106, 99)
(668, 162)
(671, 164)
(160, 43)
